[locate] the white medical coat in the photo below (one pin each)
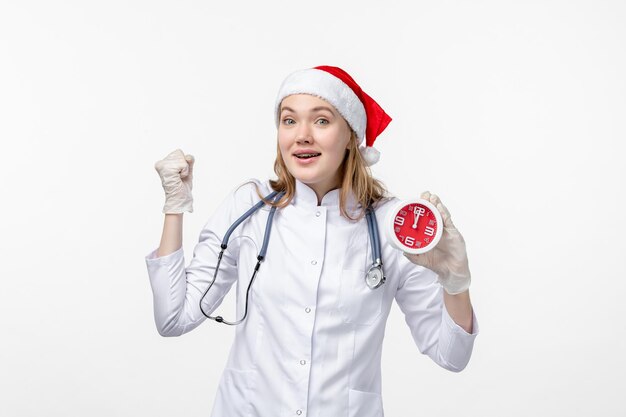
(312, 341)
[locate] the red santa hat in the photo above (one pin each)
(336, 86)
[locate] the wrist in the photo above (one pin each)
(455, 283)
(178, 204)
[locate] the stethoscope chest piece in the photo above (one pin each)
(374, 277)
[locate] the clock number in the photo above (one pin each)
(409, 241)
(399, 220)
(429, 231)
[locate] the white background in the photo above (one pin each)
(512, 112)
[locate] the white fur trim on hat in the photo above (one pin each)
(330, 88)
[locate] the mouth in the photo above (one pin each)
(307, 155)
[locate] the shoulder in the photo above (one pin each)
(247, 192)
(385, 204)
(238, 200)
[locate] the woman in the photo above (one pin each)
(312, 336)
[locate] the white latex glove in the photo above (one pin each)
(449, 257)
(176, 172)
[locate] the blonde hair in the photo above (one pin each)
(355, 174)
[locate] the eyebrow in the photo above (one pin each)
(314, 109)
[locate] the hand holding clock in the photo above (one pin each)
(448, 258)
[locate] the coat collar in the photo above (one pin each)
(305, 197)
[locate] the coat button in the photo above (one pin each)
(302, 362)
(298, 412)
(308, 310)
(317, 213)
(313, 262)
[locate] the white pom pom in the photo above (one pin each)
(370, 155)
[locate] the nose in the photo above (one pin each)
(304, 134)
(304, 139)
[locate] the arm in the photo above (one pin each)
(177, 289)
(172, 236)
(421, 299)
(448, 260)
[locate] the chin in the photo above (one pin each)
(307, 179)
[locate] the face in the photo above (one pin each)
(311, 125)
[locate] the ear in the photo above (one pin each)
(351, 137)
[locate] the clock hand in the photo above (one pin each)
(416, 217)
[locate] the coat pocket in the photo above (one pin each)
(364, 404)
(358, 303)
(234, 392)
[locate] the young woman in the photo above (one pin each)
(310, 332)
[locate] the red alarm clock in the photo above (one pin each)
(414, 226)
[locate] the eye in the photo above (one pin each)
(286, 119)
(327, 122)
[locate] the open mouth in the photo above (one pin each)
(307, 155)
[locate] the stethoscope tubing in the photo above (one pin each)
(252, 209)
(372, 226)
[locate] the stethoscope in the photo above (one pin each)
(374, 277)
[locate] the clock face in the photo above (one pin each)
(414, 226)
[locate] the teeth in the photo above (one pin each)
(307, 155)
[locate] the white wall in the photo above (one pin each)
(511, 111)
